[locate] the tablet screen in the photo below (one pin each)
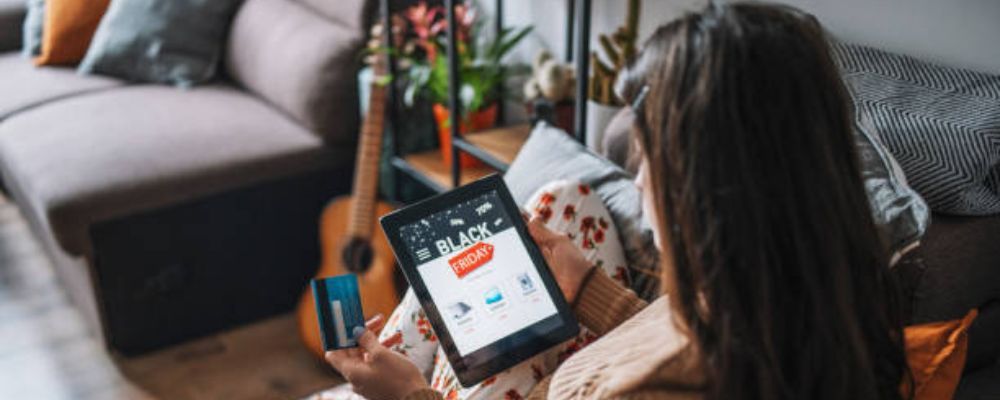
(478, 272)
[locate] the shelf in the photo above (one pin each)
(433, 169)
(501, 143)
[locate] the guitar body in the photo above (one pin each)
(376, 282)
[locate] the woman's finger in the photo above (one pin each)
(345, 361)
(393, 340)
(375, 324)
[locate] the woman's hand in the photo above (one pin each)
(565, 259)
(373, 370)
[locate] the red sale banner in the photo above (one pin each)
(472, 258)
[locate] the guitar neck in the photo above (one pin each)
(362, 219)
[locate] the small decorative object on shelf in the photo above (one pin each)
(425, 66)
(549, 91)
(618, 48)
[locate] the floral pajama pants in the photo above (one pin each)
(565, 206)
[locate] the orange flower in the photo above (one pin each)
(547, 199)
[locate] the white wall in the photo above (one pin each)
(962, 33)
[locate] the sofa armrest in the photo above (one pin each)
(11, 19)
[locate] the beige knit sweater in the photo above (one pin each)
(641, 354)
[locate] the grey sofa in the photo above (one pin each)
(169, 213)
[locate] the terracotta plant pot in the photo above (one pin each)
(475, 121)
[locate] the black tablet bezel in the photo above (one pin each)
(514, 348)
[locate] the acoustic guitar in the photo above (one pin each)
(349, 239)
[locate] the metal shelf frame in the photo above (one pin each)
(577, 50)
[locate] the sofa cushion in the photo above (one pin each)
(942, 125)
(177, 42)
(109, 154)
(32, 30)
(553, 151)
(68, 28)
(25, 86)
(299, 61)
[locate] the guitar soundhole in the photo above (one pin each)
(357, 255)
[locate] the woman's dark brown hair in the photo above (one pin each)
(779, 272)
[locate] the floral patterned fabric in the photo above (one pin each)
(565, 207)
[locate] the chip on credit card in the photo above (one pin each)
(338, 306)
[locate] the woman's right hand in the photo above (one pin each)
(566, 260)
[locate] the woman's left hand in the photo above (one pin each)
(373, 370)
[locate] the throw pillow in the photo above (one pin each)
(936, 354)
(942, 125)
(177, 41)
(33, 22)
(68, 27)
(560, 156)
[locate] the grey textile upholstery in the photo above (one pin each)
(108, 154)
(177, 42)
(11, 19)
(302, 63)
(551, 154)
(23, 86)
(959, 268)
(942, 125)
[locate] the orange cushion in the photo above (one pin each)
(68, 27)
(936, 355)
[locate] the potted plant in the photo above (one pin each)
(480, 68)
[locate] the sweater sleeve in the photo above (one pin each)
(424, 394)
(603, 304)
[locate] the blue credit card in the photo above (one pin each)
(338, 306)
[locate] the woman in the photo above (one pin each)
(776, 280)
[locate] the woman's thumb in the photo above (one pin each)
(541, 233)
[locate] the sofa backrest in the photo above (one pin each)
(301, 61)
(353, 13)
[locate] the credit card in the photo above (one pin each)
(338, 306)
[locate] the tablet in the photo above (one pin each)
(480, 278)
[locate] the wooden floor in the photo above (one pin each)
(47, 353)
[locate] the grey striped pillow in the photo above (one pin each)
(941, 124)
